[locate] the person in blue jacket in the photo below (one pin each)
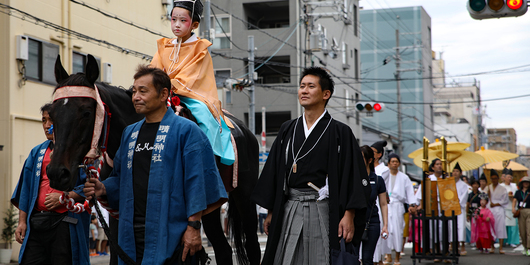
(164, 178)
(48, 232)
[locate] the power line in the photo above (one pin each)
(118, 18)
(44, 23)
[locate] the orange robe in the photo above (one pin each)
(193, 75)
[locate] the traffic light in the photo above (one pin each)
(373, 107)
(484, 9)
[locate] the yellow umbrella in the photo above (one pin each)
(513, 166)
(467, 160)
(451, 146)
(491, 156)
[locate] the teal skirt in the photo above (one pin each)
(513, 234)
(218, 134)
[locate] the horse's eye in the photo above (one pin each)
(86, 114)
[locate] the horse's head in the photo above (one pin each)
(73, 126)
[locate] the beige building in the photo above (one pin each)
(504, 139)
(457, 114)
(71, 29)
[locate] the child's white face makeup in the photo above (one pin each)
(181, 23)
(483, 203)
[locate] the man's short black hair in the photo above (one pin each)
(46, 108)
(324, 78)
(160, 79)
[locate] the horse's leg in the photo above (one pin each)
(214, 231)
(247, 217)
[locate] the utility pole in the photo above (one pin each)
(398, 87)
(263, 130)
(251, 110)
(208, 22)
(398, 61)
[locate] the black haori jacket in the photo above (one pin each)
(348, 183)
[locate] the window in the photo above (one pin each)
(228, 96)
(355, 24)
(356, 61)
(344, 52)
(276, 71)
(79, 61)
(223, 31)
(220, 78)
(41, 61)
(267, 15)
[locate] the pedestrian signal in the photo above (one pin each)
(484, 9)
(370, 107)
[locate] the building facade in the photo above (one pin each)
(290, 36)
(383, 31)
(34, 32)
(457, 108)
(502, 139)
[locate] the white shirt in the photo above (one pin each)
(308, 131)
(192, 38)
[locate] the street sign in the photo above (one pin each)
(263, 157)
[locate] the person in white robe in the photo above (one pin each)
(498, 201)
(462, 189)
(381, 248)
(401, 191)
(512, 226)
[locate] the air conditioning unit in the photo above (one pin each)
(22, 47)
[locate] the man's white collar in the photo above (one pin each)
(307, 131)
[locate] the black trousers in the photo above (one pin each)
(368, 246)
(50, 246)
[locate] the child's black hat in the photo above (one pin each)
(194, 6)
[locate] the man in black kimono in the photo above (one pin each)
(303, 225)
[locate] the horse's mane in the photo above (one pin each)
(78, 79)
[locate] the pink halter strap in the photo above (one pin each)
(86, 92)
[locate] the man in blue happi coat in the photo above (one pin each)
(164, 178)
(48, 232)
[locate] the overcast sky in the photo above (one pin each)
(472, 46)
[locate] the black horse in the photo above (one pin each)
(74, 125)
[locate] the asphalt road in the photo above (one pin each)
(473, 257)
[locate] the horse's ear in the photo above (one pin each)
(60, 73)
(92, 69)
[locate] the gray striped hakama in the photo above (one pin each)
(304, 238)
